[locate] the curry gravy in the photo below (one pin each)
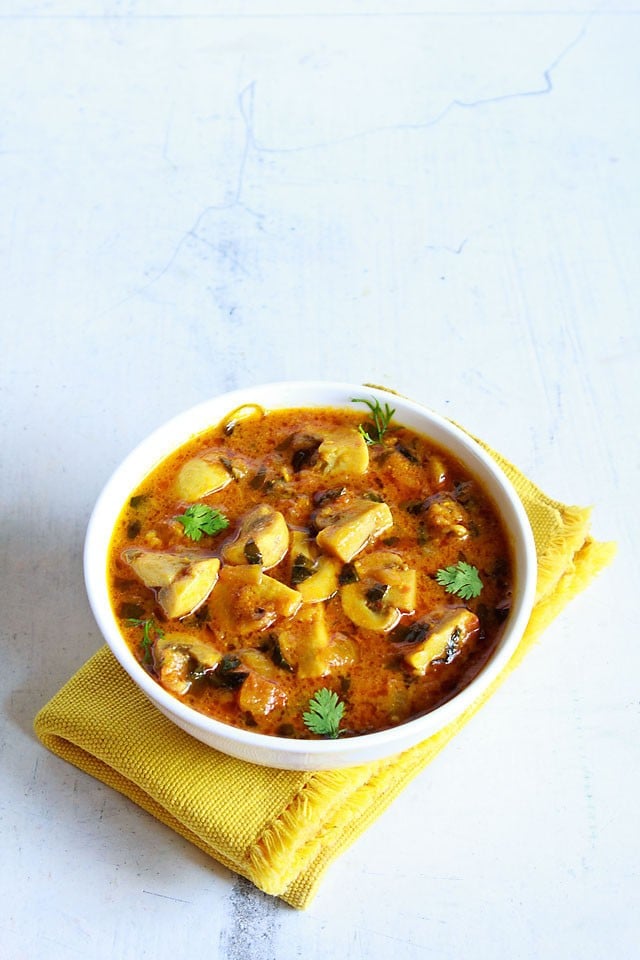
(326, 575)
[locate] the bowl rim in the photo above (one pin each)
(282, 751)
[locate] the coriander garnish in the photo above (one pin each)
(462, 579)
(199, 518)
(324, 714)
(150, 632)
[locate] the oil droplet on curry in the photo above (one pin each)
(284, 552)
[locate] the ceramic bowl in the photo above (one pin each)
(282, 752)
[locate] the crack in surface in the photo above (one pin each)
(544, 90)
(440, 247)
(247, 93)
(251, 146)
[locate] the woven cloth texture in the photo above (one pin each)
(282, 829)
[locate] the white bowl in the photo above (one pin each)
(279, 751)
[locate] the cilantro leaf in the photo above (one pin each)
(148, 628)
(462, 579)
(199, 518)
(324, 714)
(381, 419)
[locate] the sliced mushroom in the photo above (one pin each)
(262, 540)
(201, 476)
(364, 603)
(343, 451)
(259, 662)
(177, 654)
(353, 528)
(323, 584)
(314, 577)
(156, 568)
(388, 568)
(306, 645)
(183, 580)
(303, 642)
(246, 600)
(189, 590)
(285, 600)
(443, 638)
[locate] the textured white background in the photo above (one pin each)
(441, 198)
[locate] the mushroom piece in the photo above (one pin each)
(353, 528)
(201, 476)
(156, 568)
(344, 451)
(257, 661)
(388, 568)
(364, 603)
(442, 638)
(190, 589)
(383, 588)
(262, 540)
(176, 656)
(246, 600)
(306, 645)
(314, 577)
(183, 580)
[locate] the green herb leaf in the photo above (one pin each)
(324, 714)
(150, 632)
(199, 518)
(381, 419)
(375, 595)
(302, 568)
(462, 579)
(252, 552)
(348, 574)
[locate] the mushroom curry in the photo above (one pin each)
(311, 572)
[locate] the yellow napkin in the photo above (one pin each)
(280, 829)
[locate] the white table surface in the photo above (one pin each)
(441, 198)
